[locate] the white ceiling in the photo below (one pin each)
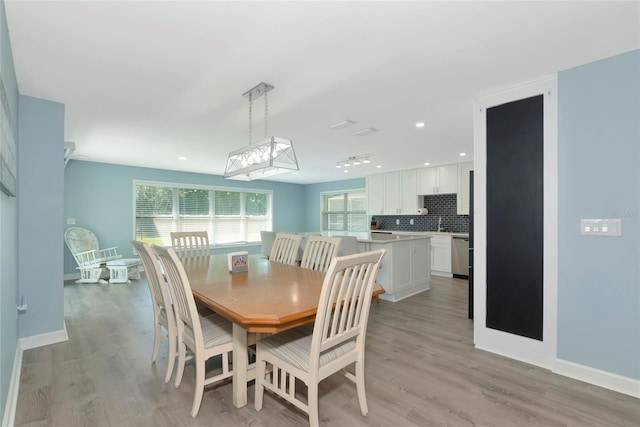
(146, 82)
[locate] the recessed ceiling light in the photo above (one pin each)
(342, 124)
(339, 166)
(463, 154)
(365, 131)
(346, 171)
(420, 124)
(182, 158)
(356, 163)
(426, 163)
(294, 173)
(346, 165)
(366, 161)
(379, 166)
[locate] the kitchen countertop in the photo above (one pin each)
(373, 237)
(426, 233)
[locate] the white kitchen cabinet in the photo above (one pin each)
(405, 268)
(375, 194)
(408, 192)
(463, 187)
(392, 193)
(437, 180)
(441, 255)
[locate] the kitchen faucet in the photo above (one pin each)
(440, 224)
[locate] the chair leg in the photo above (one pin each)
(182, 355)
(156, 341)
(197, 397)
(171, 338)
(260, 373)
(312, 402)
(362, 396)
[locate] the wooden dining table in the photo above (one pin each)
(268, 298)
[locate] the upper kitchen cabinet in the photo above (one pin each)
(392, 193)
(463, 188)
(375, 194)
(438, 180)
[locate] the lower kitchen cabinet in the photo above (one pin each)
(441, 256)
(405, 268)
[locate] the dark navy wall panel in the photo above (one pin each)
(515, 217)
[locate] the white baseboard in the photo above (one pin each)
(34, 341)
(597, 377)
(72, 276)
(14, 386)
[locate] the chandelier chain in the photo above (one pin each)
(250, 111)
(266, 113)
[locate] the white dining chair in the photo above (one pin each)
(336, 342)
(319, 251)
(348, 245)
(163, 315)
(190, 243)
(206, 337)
(285, 248)
(267, 238)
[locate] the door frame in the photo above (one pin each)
(540, 353)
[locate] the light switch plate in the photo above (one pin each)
(601, 227)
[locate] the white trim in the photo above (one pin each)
(14, 388)
(34, 341)
(615, 382)
(71, 276)
(540, 353)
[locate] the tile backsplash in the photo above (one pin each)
(439, 205)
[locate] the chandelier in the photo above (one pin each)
(271, 156)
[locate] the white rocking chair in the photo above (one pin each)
(92, 260)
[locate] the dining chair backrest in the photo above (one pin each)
(348, 245)
(162, 307)
(184, 304)
(267, 238)
(319, 251)
(155, 278)
(285, 248)
(345, 299)
(190, 243)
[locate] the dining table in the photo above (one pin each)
(268, 298)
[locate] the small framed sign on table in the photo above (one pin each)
(238, 261)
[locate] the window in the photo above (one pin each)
(344, 211)
(228, 215)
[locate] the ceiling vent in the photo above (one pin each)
(341, 125)
(363, 132)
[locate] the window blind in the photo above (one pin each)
(229, 216)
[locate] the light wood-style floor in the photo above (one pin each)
(421, 370)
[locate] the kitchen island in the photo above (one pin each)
(405, 269)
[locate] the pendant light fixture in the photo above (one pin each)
(271, 156)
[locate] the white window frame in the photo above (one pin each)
(324, 213)
(175, 187)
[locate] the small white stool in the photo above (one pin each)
(121, 270)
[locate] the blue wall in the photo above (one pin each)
(312, 198)
(100, 198)
(599, 177)
(40, 204)
(8, 231)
